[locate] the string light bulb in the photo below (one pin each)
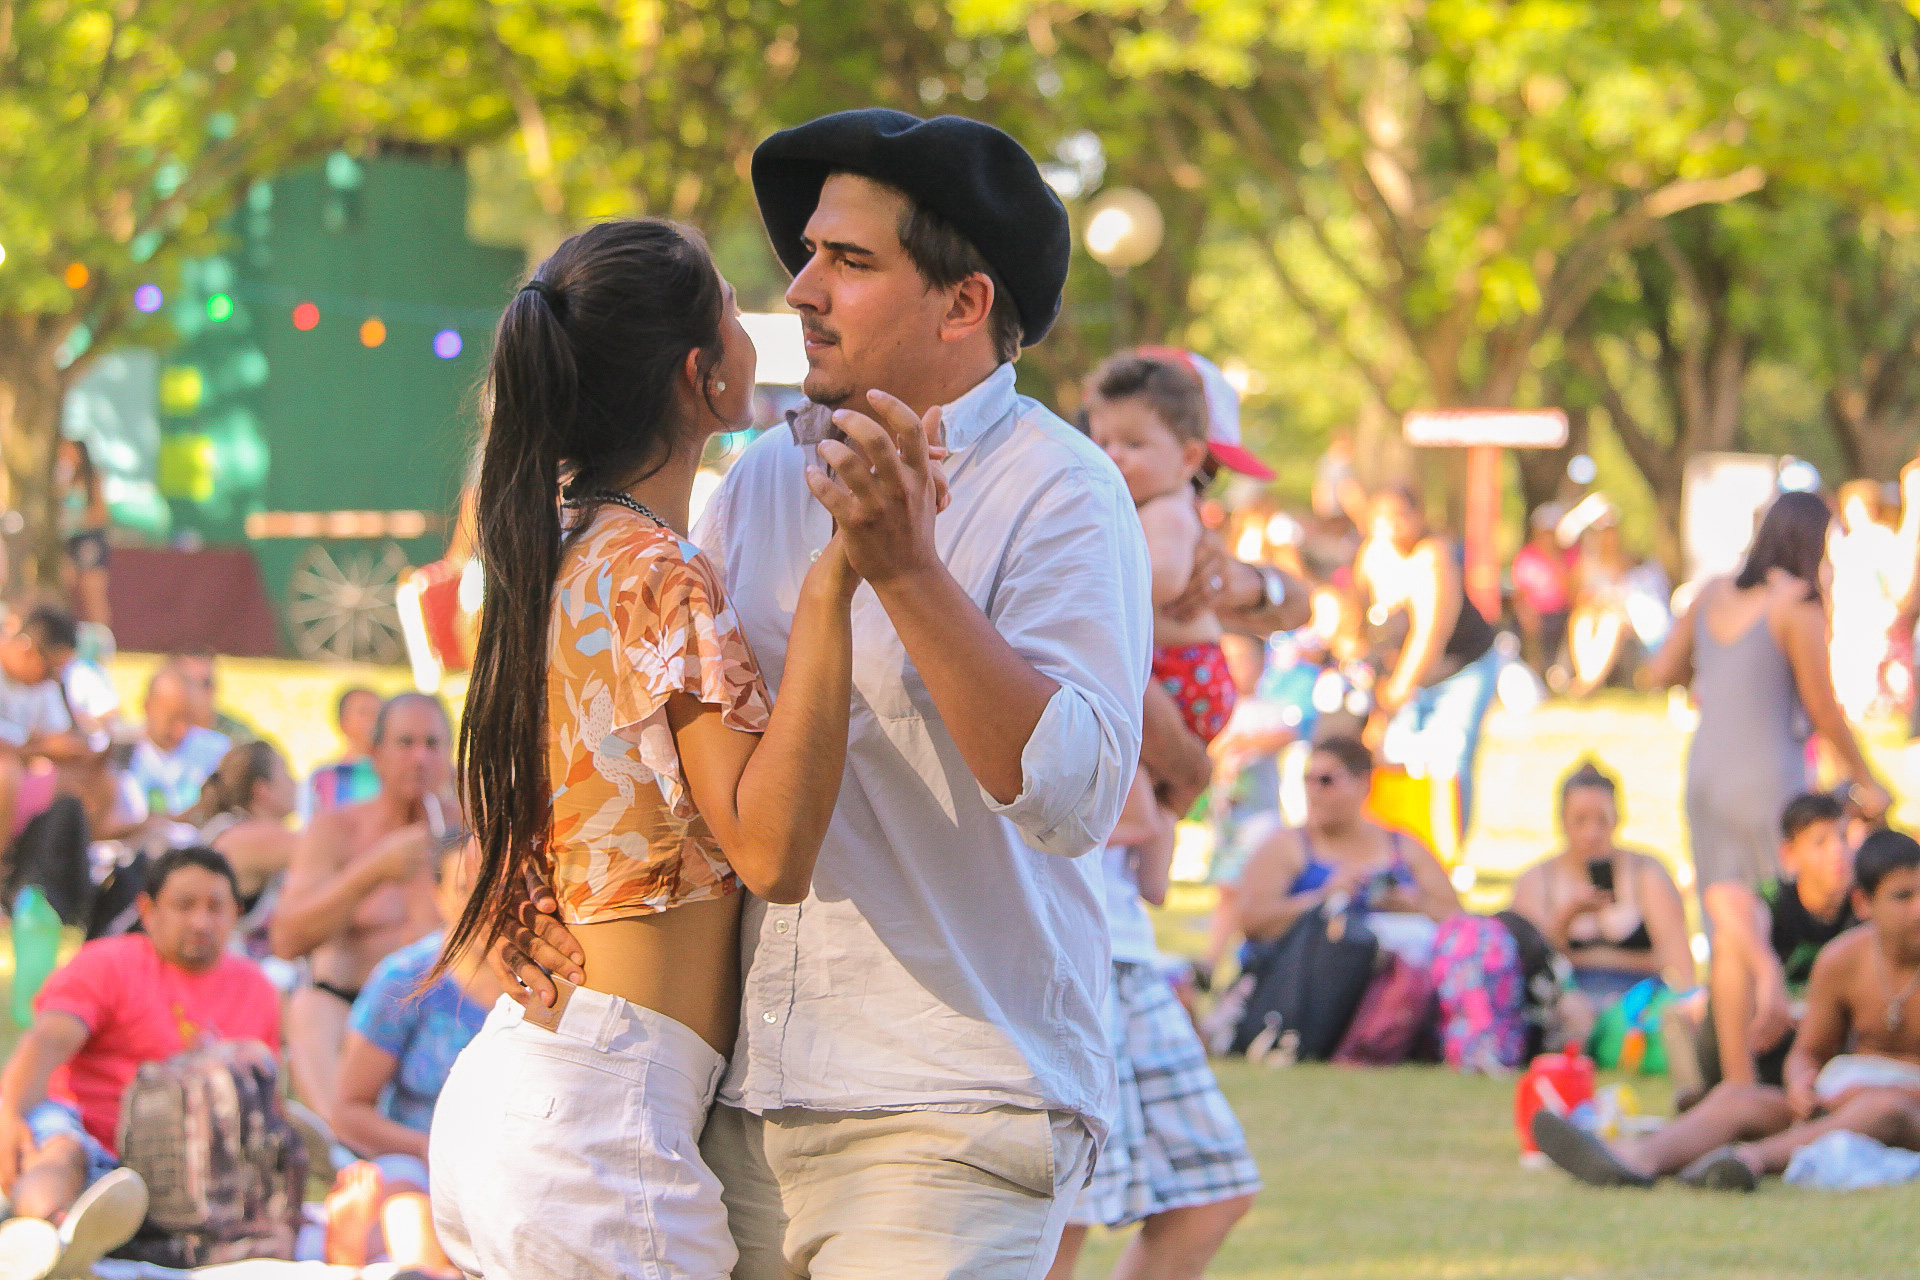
(220, 307)
(78, 275)
(373, 332)
(306, 316)
(447, 343)
(148, 298)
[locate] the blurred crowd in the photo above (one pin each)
(225, 904)
(226, 900)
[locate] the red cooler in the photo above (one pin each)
(1557, 1081)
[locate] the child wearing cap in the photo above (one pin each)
(1163, 415)
(1158, 413)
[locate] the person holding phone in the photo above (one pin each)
(1615, 913)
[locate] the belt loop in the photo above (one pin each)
(611, 1016)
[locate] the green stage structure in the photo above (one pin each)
(319, 406)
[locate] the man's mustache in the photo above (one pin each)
(818, 333)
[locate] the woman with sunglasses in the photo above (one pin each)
(1340, 853)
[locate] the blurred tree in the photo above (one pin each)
(127, 130)
(655, 109)
(1440, 188)
(1869, 353)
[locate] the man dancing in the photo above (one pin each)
(921, 1077)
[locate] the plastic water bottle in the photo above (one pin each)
(36, 950)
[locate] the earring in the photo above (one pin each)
(719, 386)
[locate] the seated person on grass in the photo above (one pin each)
(401, 1043)
(121, 1002)
(1855, 1064)
(174, 756)
(1765, 943)
(1341, 853)
(243, 814)
(34, 722)
(200, 669)
(352, 777)
(1615, 913)
(361, 885)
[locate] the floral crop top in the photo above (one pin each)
(638, 616)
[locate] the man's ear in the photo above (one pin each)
(969, 308)
(1194, 452)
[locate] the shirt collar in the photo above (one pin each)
(967, 418)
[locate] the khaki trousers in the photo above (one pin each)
(913, 1195)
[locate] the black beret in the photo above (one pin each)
(972, 174)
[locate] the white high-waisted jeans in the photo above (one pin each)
(574, 1154)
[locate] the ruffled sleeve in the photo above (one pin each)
(677, 633)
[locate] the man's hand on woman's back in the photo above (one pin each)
(534, 945)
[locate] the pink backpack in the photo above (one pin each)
(1476, 973)
(1398, 1006)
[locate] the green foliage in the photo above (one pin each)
(1434, 204)
(127, 130)
(1372, 205)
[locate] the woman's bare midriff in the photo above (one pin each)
(683, 962)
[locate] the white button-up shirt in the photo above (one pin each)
(953, 952)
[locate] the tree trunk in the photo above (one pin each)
(32, 388)
(1543, 472)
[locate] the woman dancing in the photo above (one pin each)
(618, 740)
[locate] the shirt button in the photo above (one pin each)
(769, 1016)
(781, 926)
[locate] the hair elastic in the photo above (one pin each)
(547, 292)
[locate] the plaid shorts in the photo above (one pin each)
(1175, 1141)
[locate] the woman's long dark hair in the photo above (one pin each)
(580, 387)
(1792, 536)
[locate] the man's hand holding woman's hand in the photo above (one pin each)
(884, 489)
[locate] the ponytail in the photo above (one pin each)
(580, 390)
(531, 401)
(229, 788)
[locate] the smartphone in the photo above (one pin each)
(1601, 873)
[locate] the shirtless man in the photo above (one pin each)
(361, 884)
(1855, 1064)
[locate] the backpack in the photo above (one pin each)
(1398, 1006)
(116, 900)
(1542, 978)
(51, 852)
(224, 1168)
(1476, 970)
(1306, 987)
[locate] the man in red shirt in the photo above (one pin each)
(121, 1002)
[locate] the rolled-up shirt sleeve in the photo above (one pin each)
(1073, 599)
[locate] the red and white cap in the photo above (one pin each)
(1223, 413)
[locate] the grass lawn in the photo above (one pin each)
(1412, 1173)
(1409, 1173)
